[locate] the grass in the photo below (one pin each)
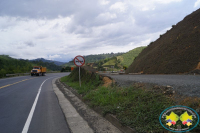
(132, 106)
(128, 58)
(86, 85)
(112, 62)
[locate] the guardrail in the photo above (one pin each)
(111, 72)
(53, 72)
(17, 74)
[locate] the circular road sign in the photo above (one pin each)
(79, 60)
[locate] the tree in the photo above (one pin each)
(2, 72)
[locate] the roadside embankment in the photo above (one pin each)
(137, 106)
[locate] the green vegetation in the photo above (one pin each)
(111, 62)
(133, 106)
(66, 69)
(10, 65)
(88, 81)
(127, 58)
(119, 62)
(95, 58)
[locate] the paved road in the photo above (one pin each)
(17, 98)
(185, 84)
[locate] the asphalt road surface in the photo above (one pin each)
(29, 104)
(184, 84)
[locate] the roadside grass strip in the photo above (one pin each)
(15, 83)
(132, 106)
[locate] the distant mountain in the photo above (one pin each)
(176, 51)
(49, 61)
(95, 58)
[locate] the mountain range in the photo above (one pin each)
(49, 61)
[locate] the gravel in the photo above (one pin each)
(183, 84)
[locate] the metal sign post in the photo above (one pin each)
(79, 76)
(79, 61)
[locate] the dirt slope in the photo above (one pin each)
(177, 51)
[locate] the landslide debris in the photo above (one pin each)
(177, 51)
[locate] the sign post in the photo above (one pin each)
(79, 61)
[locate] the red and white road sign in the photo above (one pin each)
(79, 60)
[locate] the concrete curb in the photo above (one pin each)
(76, 123)
(112, 119)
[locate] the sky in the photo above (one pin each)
(62, 29)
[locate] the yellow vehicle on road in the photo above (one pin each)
(38, 70)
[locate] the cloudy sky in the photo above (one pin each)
(61, 29)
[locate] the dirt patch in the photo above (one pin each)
(107, 81)
(89, 69)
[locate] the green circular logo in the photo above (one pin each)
(179, 118)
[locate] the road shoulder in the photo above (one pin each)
(76, 123)
(94, 120)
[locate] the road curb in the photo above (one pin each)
(112, 119)
(76, 123)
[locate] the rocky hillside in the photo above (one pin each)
(176, 51)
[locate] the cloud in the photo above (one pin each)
(197, 3)
(104, 2)
(106, 16)
(119, 6)
(166, 1)
(62, 29)
(30, 44)
(52, 57)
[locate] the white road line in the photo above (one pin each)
(28, 121)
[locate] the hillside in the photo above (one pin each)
(10, 65)
(95, 58)
(177, 51)
(125, 59)
(119, 62)
(111, 62)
